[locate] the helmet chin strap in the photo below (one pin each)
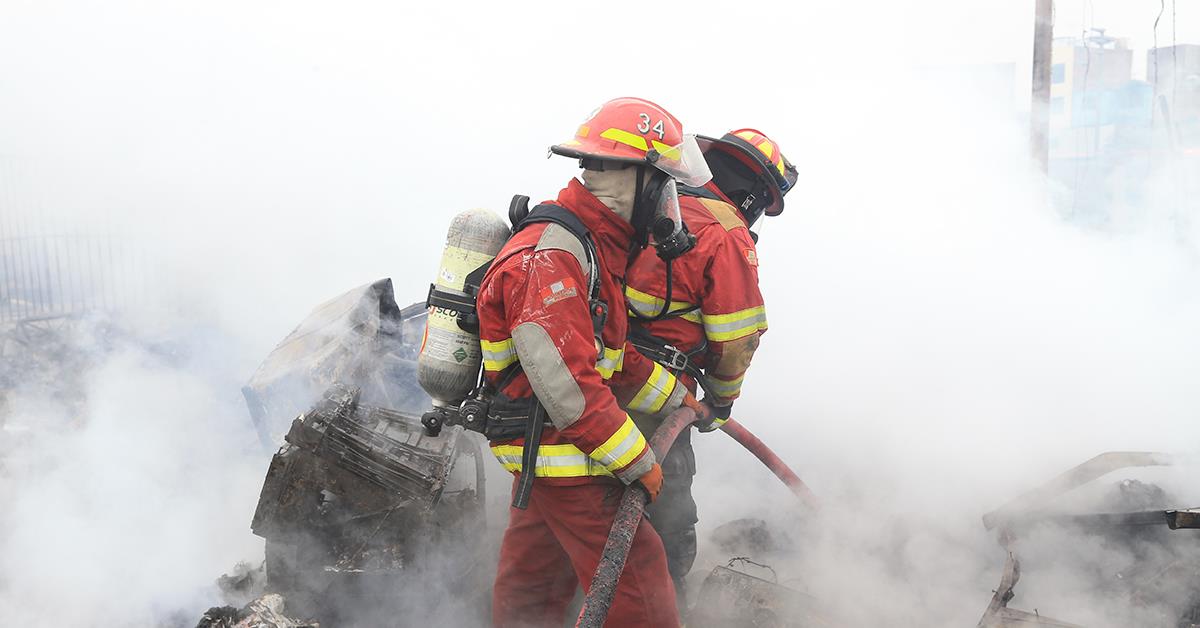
(642, 210)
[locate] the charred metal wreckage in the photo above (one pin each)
(360, 504)
(360, 509)
(732, 597)
(1165, 579)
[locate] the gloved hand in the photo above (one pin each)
(719, 414)
(652, 481)
(690, 401)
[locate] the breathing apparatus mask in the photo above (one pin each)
(657, 218)
(658, 222)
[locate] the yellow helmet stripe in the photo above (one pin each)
(625, 137)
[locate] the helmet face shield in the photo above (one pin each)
(684, 162)
(786, 181)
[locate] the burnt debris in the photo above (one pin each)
(360, 506)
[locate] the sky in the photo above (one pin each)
(941, 338)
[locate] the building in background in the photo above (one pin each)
(1094, 101)
(1101, 126)
(1174, 73)
(1081, 67)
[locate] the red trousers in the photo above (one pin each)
(555, 545)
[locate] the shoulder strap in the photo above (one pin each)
(687, 190)
(561, 216)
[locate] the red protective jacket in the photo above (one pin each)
(533, 313)
(719, 277)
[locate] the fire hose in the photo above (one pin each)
(772, 462)
(629, 514)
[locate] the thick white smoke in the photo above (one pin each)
(120, 511)
(941, 338)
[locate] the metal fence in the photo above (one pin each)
(50, 270)
(54, 267)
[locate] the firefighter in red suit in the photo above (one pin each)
(549, 353)
(712, 322)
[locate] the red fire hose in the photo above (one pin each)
(772, 462)
(629, 514)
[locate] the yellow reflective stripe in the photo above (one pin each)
(625, 137)
(498, 355)
(726, 327)
(726, 387)
(621, 448)
(610, 362)
(655, 392)
(716, 424)
(583, 131)
(666, 150)
(649, 305)
(553, 461)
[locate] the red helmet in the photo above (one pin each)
(750, 169)
(635, 130)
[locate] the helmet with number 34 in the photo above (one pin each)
(635, 130)
(627, 132)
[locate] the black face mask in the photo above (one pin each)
(656, 215)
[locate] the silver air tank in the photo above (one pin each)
(448, 365)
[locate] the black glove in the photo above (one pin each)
(720, 416)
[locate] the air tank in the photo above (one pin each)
(448, 365)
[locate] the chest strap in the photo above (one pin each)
(670, 357)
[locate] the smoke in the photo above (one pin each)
(943, 336)
(943, 339)
(123, 508)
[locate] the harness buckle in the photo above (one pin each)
(676, 359)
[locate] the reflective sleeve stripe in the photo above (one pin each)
(649, 305)
(726, 327)
(726, 387)
(622, 448)
(610, 362)
(655, 392)
(497, 356)
(553, 461)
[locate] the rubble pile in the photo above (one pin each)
(264, 612)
